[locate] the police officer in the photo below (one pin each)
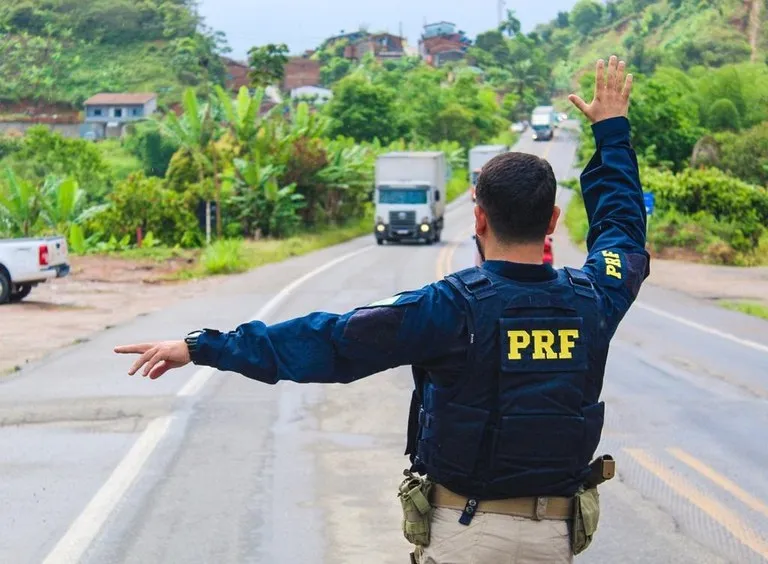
(508, 358)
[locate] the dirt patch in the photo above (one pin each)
(100, 292)
(711, 282)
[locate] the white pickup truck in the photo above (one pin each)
(25, 263)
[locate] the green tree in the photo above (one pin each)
(44, 153)
(723, 116)
(745, 155)
(664, 122)
(267, 64)
(363, 110)
(153, 147)
(511, 25)
(586, 16)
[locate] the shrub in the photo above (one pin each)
(740, 209)
(141, 202)
(226, 256)
(723, 116)
(745, 155)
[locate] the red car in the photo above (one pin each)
(549, 256)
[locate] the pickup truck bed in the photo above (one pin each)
(25, 263)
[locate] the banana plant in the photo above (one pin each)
(20, 204)
(242, 116)
(63, 204)
(195, 132)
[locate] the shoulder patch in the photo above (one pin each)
(398, 300)
(385, 302)
(611, 267)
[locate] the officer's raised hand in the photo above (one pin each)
(611, 97)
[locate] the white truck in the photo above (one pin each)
(478, 156)
(543, 122)
(410, 196)
(25, 263)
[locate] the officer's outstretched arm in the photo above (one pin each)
(410, 328)
(613, 196)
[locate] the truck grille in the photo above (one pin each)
(402, 220)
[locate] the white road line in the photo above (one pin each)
(201, 377)
(78, 537)
(704, 328)
(84, 529)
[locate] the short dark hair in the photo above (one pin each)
(517, 192)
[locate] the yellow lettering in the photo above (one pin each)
(518, 340)
(542, 345)
(612, 264)
(567, 342)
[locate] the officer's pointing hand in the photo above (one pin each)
(157, 358)
(611, 97)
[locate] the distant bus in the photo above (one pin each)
(543, 122)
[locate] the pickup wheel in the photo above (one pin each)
(5, 287)
(21, 293)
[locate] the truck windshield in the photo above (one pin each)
(389, 195)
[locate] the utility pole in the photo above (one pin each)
(501, 4)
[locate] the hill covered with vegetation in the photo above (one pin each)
(64, 51)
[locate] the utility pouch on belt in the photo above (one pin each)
(417, 511)
(586, 506)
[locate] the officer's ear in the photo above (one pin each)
(553, 220)
(481, 221)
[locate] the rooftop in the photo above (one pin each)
(106, 99)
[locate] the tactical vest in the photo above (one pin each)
(525, 419)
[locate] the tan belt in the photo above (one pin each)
(537, 508)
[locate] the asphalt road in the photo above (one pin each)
(203, 467)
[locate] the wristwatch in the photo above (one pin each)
(191, 341)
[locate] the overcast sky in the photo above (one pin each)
(303, 24)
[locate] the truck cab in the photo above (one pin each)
(543, 123)
(410, 196)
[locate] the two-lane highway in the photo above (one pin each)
(209, 467)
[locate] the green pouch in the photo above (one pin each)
(417, 511)
(586, 508)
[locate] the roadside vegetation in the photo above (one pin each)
(750, 308)
(699, 119)
(266, 178)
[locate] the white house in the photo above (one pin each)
(114, 111)
(315, 93)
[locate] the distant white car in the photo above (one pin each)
(25, 263)
(518, 127)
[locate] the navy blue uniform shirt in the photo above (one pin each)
(427, 328)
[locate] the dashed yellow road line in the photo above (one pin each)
(720, 480)
(714, 509)
(445, 258)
